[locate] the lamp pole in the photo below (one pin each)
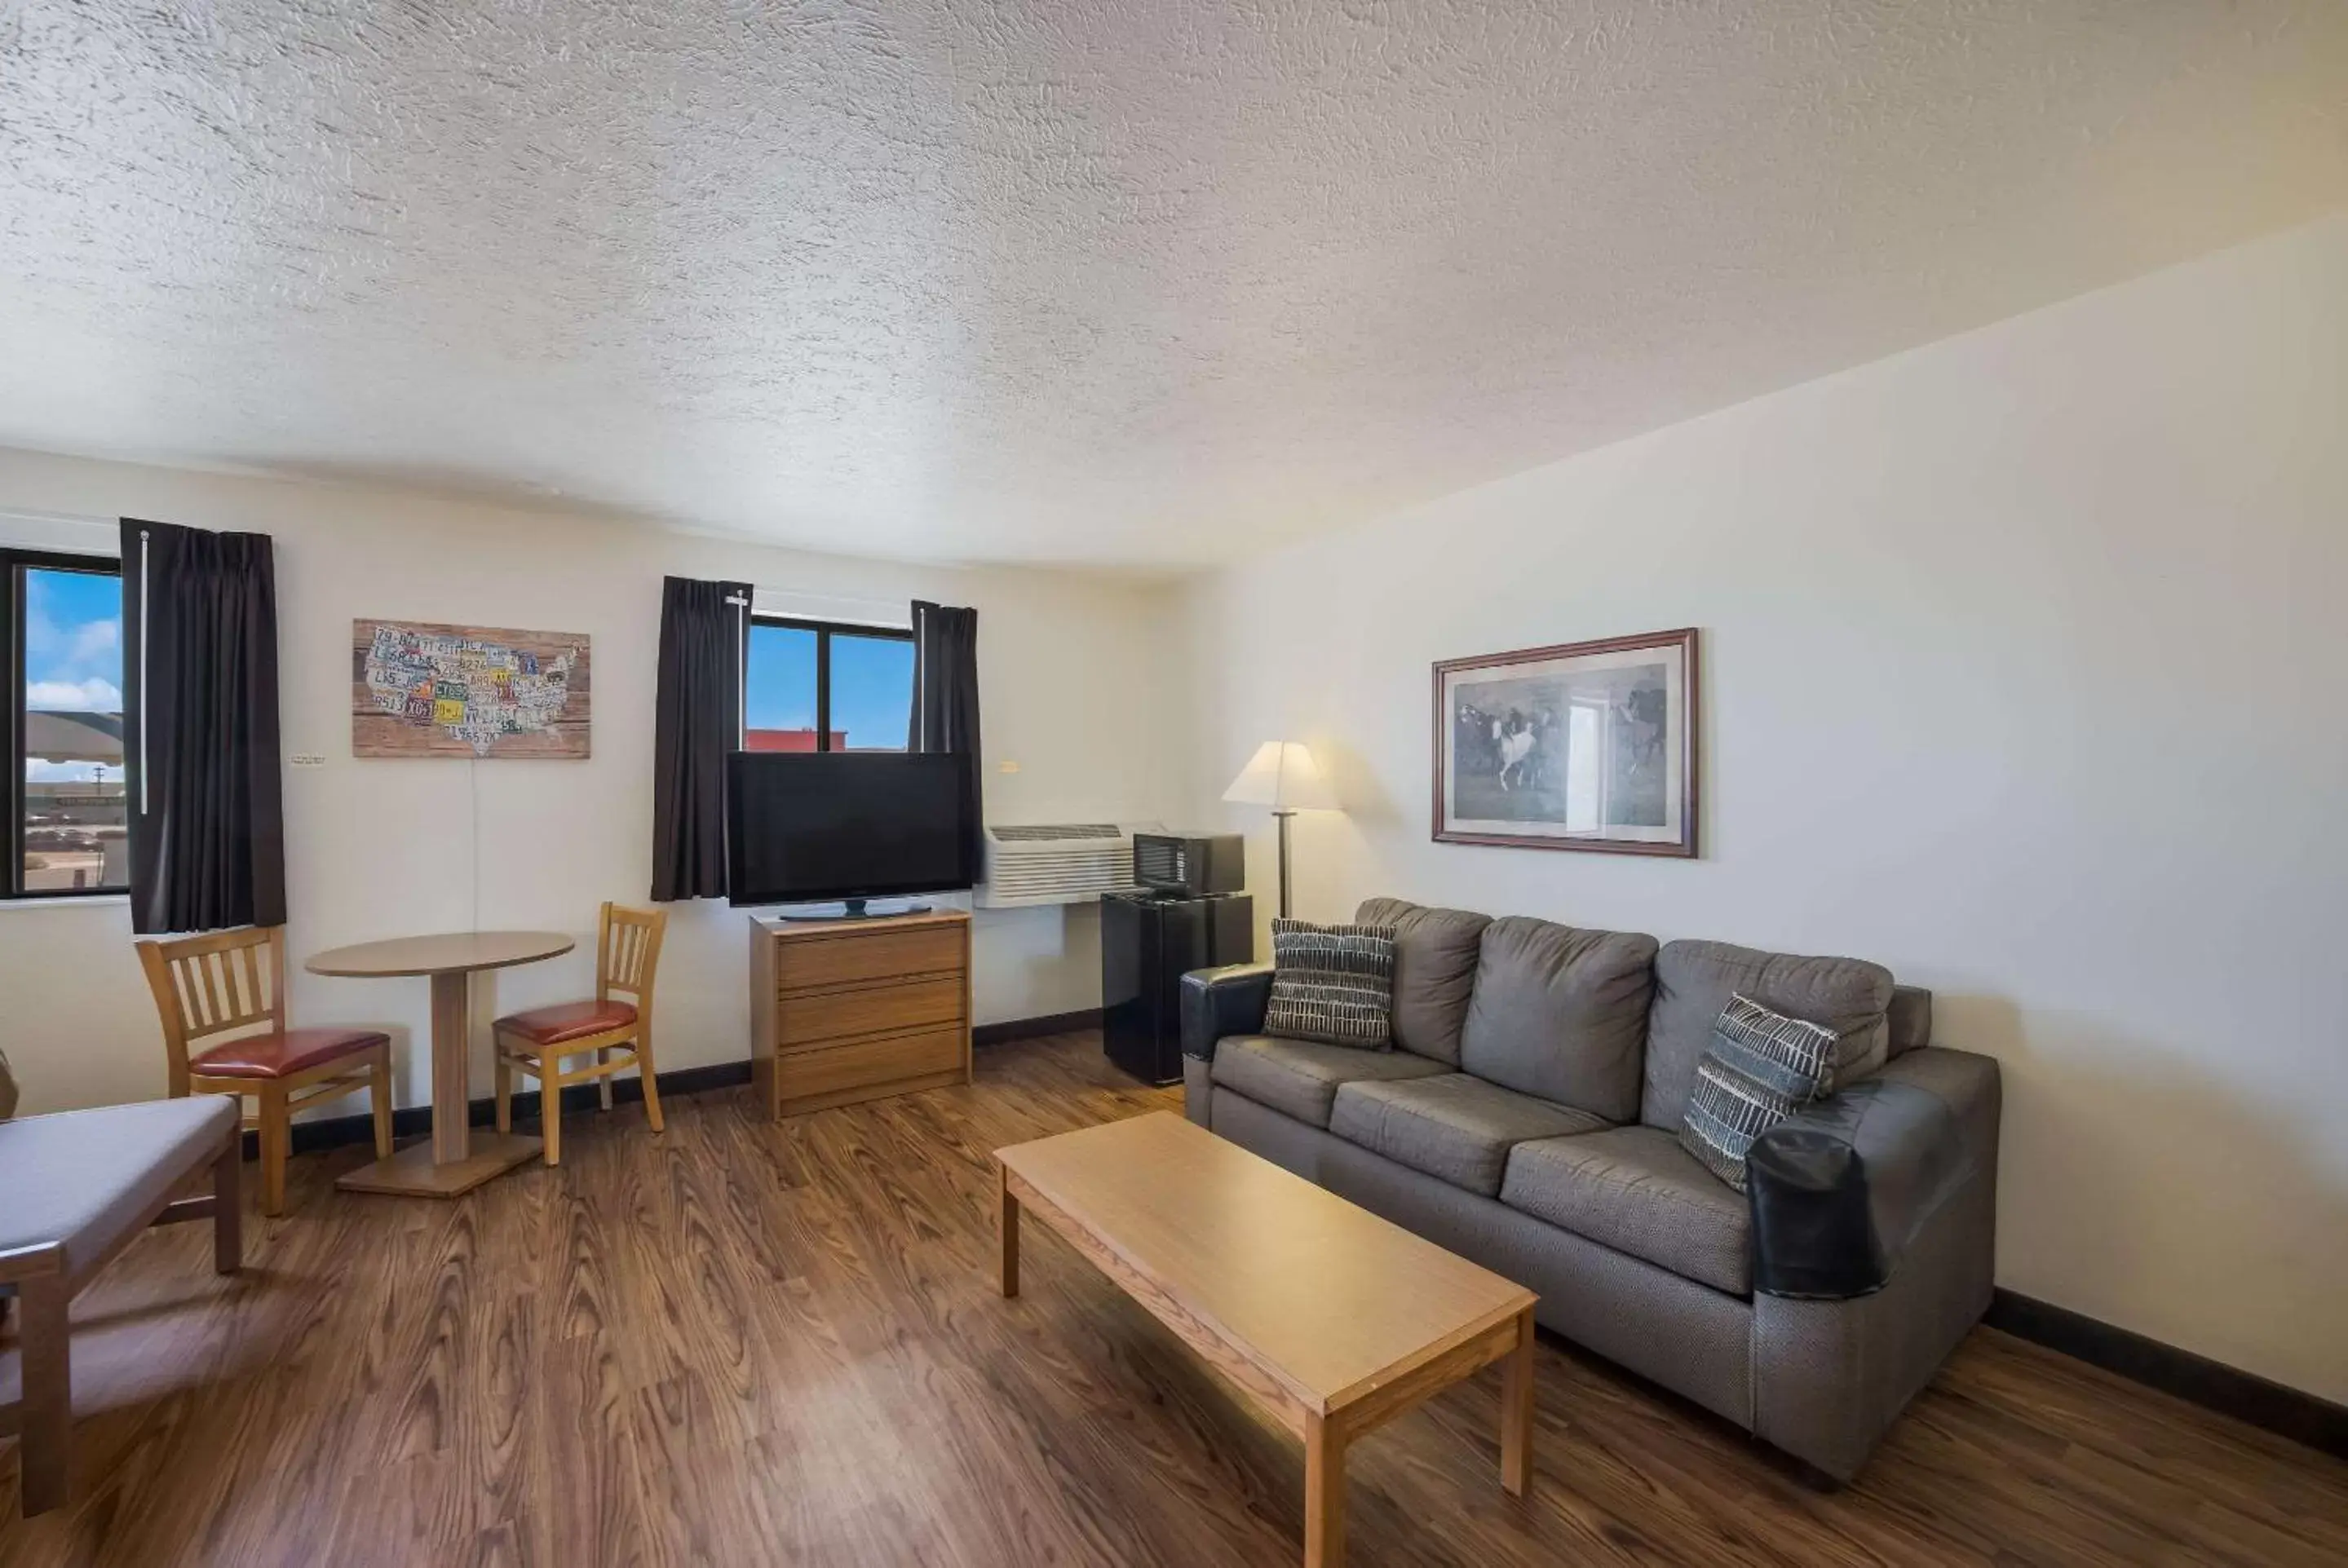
(1282, 817)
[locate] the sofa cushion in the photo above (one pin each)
(1299, 1077)
(1634, 1189)
(1435, 970)
(1332, 983)
(1561, 1014)
(1456, 1128)
(1694, 981)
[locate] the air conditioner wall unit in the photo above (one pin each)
(1056, 862)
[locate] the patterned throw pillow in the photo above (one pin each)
(1762, 1068)
(1332, 983)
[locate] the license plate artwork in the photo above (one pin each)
(468, 691)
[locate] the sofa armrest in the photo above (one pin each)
(1217, 1002)
(1842, 1189)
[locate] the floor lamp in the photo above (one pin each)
(1282, 776)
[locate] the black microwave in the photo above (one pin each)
(1193, 865)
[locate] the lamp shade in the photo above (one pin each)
(1282, 776)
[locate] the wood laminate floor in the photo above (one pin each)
(746, 1342)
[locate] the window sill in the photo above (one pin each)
(66, 901)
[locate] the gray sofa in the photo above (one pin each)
(1529, 1119)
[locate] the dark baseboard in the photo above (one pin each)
(414, 1121)
(2214, 1386)
(1034, 1028)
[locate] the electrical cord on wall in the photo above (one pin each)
(473, 790)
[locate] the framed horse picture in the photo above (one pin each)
(1585, 745)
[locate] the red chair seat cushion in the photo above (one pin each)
(567, 1022)
(281, 1053)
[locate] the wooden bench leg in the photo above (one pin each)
(44, 1437)
(228, 1207)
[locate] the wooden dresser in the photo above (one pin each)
(842, 1010)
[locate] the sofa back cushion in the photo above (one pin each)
(1561, 1013)
(1911, 1023)
(1435, 969)
(1695, 980)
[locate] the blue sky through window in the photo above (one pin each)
(871, 685)
(871, 691)
(780, 694)
(73, 655)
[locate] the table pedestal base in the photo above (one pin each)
(414, 1171)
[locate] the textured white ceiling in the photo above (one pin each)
(1127, 282)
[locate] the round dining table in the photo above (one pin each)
(456, 1159)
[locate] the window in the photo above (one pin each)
(61, 631)
(815, 686)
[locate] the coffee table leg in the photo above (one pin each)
(1325, 1493)
(1010, 1226)
(1516, 1412)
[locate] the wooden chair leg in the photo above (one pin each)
(228, 1206)
(379, 1093)
(549, 1105)
(276, 1145)
(503, 1072)
(644, 1077)
(604, 1084)
(44, 1432)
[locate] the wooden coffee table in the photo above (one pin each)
(1331, 1317)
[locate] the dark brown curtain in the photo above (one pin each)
(945, 704)
(698, 719)
(200, 656)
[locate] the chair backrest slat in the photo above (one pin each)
(208, 984)
(627, 951)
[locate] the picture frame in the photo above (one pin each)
(422, 689)
(1581, 745)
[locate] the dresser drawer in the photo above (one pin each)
(847, 961)
(839, 1069)
(809, 1016)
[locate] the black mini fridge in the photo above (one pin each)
(1148, 942)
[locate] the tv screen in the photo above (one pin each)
(811, 826)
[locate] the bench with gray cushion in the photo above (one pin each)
(75, 1188)
(1529, 1119)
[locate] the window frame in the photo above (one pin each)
(824, 631)
(14, 562)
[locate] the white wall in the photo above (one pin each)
(2024, 662)
(1069, 667)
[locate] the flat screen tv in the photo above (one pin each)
(823, 826)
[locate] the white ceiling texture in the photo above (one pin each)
(1137, 284)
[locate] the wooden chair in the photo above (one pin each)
(618, 1033)
(235, 981)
